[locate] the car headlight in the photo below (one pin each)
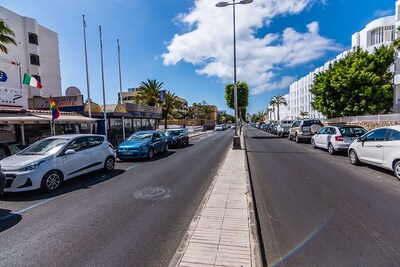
(143, 147)
(174, 138)
(31, 167)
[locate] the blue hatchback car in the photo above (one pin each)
(142, 144)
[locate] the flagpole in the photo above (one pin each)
(87, 71)
(102, 78)
(120, 89)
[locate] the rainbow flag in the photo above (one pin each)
(55, 112)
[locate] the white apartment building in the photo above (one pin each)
(379, 32)
(36, 53)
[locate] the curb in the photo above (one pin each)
(260, 259)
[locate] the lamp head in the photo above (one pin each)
(244, 2)
(222, 4)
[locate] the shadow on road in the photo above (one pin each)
(157, 157)
(85, 181)
(8, 219)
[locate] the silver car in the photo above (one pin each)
(50, 161)
(2, 181)
(336, 138)
(379, 147)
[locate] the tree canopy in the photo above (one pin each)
(6, 36)
(242, 95)
(359, 84)
(149, 93)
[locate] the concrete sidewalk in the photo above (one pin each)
(223, 231)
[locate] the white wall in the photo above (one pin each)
(47, 50)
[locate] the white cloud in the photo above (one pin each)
(382, 13)
(208, 44)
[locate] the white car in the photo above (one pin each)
(2, 181)
(379, 147)
(50, 161)
(336, 138)
(218, 127)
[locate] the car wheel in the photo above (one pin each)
(296, 139)
(150, 154)
(396, 169)
(353, 158)
(51, 181)
(109, 164)
(313, 144)
(331, 149)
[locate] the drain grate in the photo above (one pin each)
(152, 193)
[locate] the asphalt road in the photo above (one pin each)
(318, 210)
(134, 216)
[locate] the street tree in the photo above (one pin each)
(149, 93)
(170, 105)
(279, 100)
(242, 97)
(359, 84)
(6, 36)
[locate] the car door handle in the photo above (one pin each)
(379, 146)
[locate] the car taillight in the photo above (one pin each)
(338, 138)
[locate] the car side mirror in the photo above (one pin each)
(69, 152)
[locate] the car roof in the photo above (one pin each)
(71, 136)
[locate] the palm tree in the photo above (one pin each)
(171, 103)
(278, 101)
(262, 114)
(149, 92)
(6, 36)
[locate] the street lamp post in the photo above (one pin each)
(236, 138)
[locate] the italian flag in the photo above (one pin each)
(31, 81)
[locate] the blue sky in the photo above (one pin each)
(187, 44)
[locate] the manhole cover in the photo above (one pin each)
(152, 193)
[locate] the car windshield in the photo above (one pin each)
(44, 146)
(352, 131)
(140, 136)
(173, 133)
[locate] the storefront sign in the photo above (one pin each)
(72, 103)
(13, 98)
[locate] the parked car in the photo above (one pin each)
(142, 144)
(2, 180)
(336, 138)
(177, 137)
(304, 129)
(379, 147)
(47, 163)
(218, 127)
(263, 127)
(282, 129)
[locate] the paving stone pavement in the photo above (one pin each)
(223, 232)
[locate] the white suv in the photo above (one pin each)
(50, 161)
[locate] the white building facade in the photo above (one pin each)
(379, 32)
(36, 54)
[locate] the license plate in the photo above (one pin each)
(348, 139)
(127, 153)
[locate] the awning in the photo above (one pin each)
(65, 118)
(7, 118)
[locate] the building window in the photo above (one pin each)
(382, 34)
(35, 60)
(37, 77)
(33, 38)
